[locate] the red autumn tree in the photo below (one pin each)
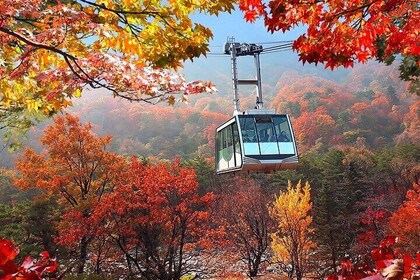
(78, 171)
(312, 126)
(244, 217)
(373, 221)
(340, 33)
(405, 222)
(156, 219)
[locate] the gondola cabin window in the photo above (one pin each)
(249, 135)
(228, 148)
(266, 135)
(284, 135)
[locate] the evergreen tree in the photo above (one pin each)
(342, 186)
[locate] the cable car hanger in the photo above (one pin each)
(235, 50)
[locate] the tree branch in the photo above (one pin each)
(36, 44)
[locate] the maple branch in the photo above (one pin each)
(102, 6)
(36, 44)
(88, 79)
(365, 6)
(22, 60)
(122, 15)
(27, 21)
(97, 84)
(311, 2)
(68, 196)
(119, 13)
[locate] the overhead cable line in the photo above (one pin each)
(276, 42)
(272, 49)
(278, 47)
(284, 50)
(256, 43)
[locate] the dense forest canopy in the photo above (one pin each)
(369, 106)
(358, 141)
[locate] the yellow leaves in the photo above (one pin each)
(27, 94)
(77, 93)
(43, 59)
(46, 59)
(127, 45)
(121, 41)
(290, 211)
(295, 202)
(33, 105)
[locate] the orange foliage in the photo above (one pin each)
(405, 222)
(411, 125)
(156, 218)
(75, 164)
(311, 126)
(324, 112)
(77, 170)
(359, 107)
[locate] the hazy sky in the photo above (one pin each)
(235, 25)
(228, 25)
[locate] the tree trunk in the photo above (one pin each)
(298, 273)
(83, 255)
(254, 271)
(333, 252)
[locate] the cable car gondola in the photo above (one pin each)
(257, 140)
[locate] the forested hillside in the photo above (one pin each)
(358, 139)
(369, 107)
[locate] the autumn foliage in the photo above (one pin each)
(78, 171)
(340, 33)
(126, 51)
(292, 241)
(54, 50)
(332, 114)
(28, 269)
(152, 218)
(388, 263)
(405, 222)
(243, 218)
(157, 219)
